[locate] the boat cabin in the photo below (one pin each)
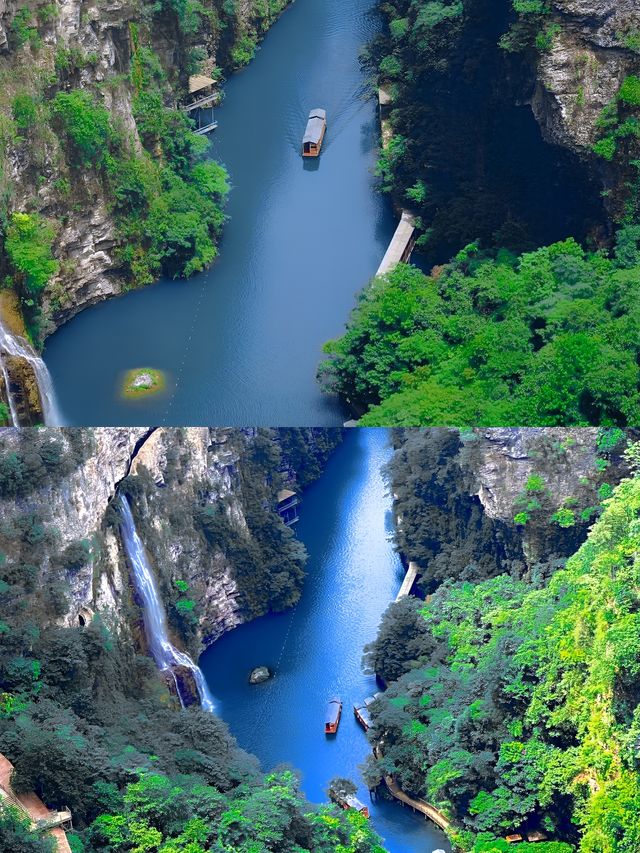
(348, 801)
(361, 713)
(332, 716)
(314, 134)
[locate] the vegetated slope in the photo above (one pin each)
(103, 185)
(506, 332)
(84, 715)
(513, 700)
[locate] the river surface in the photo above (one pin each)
(241, 342)
(316, 649)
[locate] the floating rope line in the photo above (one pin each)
(187, 348)
(262, 711)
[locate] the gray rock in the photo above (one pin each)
(259, 674)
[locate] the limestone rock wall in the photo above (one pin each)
(484, 502)
(32, 165)
(583, 70)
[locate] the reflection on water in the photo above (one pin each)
(243, 340)
(315, 650)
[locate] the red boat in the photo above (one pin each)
(332, 716)
(348, 801)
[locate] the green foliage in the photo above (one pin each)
(549, 340)
(555, 669)
(535, 483)
(629, 92)
(85, 123)
(28, 244)
(16, 835)
(521, 518)
(564, 517)
(86, 720)
(23, 30)
(24, 111)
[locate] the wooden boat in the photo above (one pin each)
(362, 716)
(332, 716)
(314, 133)
(348, 801)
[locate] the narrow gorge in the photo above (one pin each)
(126, 552)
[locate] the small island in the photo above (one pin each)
(142, 382)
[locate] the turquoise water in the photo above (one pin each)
(241, 342)
(316, 649)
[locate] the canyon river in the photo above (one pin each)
(240, 343)
(315, 650)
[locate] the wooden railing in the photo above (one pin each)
(429, 811)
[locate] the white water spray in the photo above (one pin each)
(17, 346)
(162, 650)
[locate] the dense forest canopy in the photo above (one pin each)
(513, 702)
(550, 338)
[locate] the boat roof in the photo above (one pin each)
(315, 126)
(333, 709)
(364, 715)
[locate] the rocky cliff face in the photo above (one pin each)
(593, 50)
(88, 45)
(476, 504)
(56, 489)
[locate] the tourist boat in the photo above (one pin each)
(348, 801)
(314, 134)
(332, 716)
(362, 713)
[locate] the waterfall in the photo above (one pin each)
(162, 650)
(17, 346)
(12, 406)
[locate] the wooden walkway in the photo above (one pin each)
(408, 582)
(429, 811)
(33, 808)
(401, 244)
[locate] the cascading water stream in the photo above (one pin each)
(17, 346)
(162, 650)
(12, 406)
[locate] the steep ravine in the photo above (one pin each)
(83, 252)
(203, 500)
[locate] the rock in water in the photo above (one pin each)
(259, 674)
(142, 381)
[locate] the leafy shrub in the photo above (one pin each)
(84, 123)
(24, 111)
(28, 244)
(535, 483)
(629, 92)
(564, 517)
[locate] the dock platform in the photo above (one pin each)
(408, 582)
(401, 244)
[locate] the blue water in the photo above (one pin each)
(241, 342)
(316, 649)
